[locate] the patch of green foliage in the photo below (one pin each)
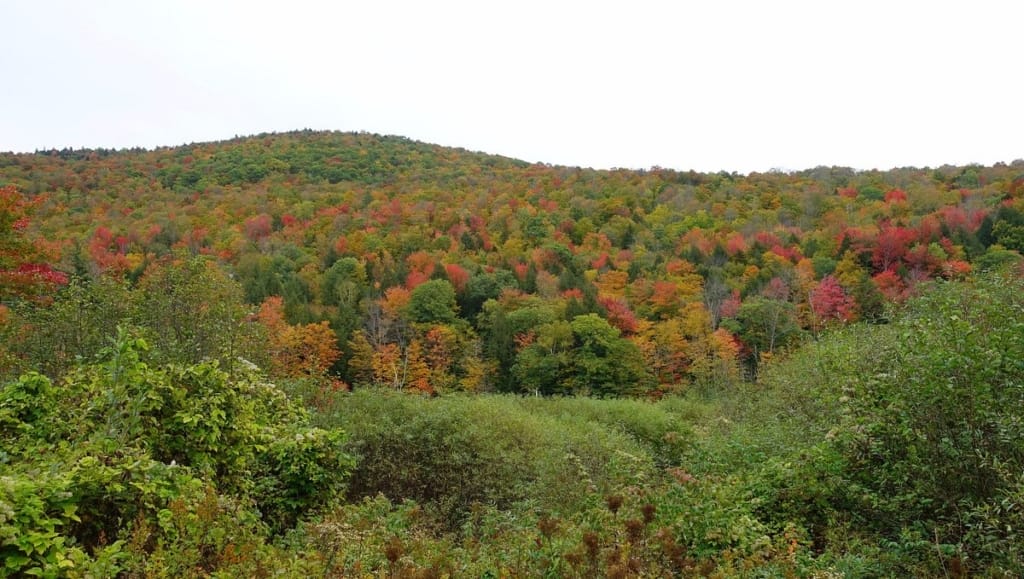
(903, 437)
(530, 486)
(104, 471)
(451, 452)
(189, 310)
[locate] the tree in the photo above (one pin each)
(482, 287)
(258, 227)
(619, 314)
(665, 299)
(457, 275)
(389, 366)
(664, 346)
(544, 365)
(360, 361)
(604, 364)
(585, 356)
(716, 292)
(192, 311)
(890, 247)
(830, 302)
(297, 350)
(765, 325)
(870, 301)
(81, 321)
(343, 284)
(433, 302)
(417, 373)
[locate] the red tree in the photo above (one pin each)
(457, 275)
(830, 302)
(619, 314)
(890, 247)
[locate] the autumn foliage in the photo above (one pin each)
(23, 272)
(379, 241)
(297, 350)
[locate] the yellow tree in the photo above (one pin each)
(417, 371)
(360, 362)
(387, 366)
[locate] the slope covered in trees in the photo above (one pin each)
(701, 276)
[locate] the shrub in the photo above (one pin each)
(121, 444)
(920, 431)
(451, 452)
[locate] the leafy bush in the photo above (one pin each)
(189, 309)
(451, 452)
(936, 420)
(919, 432)
(122, 449)
(663, 427)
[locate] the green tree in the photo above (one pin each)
(502, 323)
(585, 356)
(482, 287)
(765, 325)
(80, 322)
(544, 365)
(604, 364)
(433, 302)
(344, 286)
(997, 257)
(192, 311)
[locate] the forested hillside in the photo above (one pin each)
(347, 355)
(439, 269)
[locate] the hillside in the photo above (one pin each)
(696, 271)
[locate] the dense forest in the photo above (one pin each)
(352, 355)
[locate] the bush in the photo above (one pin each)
(935, 421)
(451, 452)
(108, 454)
(663, 427)
(920, 431)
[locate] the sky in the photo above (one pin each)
(713, 85)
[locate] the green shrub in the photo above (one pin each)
(121, 444)
(33, 514)
(936, 420)
(451, 452)
(918, 437)
(663, 427)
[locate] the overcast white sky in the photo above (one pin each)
(712, 85)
